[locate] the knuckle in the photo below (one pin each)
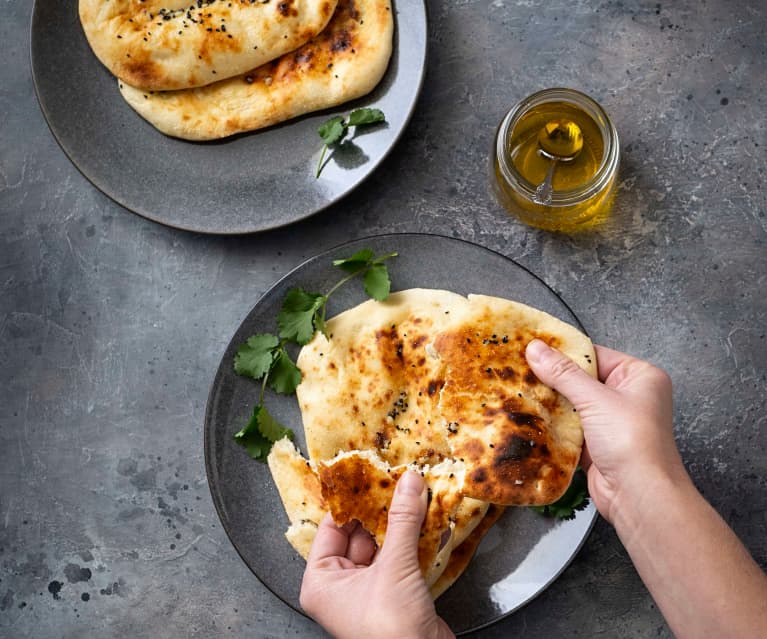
(657, 375)
(404, 514)
(563, 367)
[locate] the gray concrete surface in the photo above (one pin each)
(111, 326)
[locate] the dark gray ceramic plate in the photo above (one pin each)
(521, 555)
(243, 184)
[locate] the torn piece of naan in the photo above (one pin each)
(360, 485)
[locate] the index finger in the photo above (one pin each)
(608, 360)
(330, 541)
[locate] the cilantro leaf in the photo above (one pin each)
(254, 358)
(332, 130)
(271, 428)
(366, 115)
(284, 375)
(296, 320)
(260, 433)
(356, 262)
(377, 282)
(576, 498)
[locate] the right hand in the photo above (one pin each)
(626, 418)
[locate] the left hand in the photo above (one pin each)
(352, 591)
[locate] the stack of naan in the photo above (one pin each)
(207, 69)
(437, 382)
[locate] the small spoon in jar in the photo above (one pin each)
(558, 141)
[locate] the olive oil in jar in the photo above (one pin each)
(577, 185)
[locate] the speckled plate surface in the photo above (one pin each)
(243, 184)
(520, 556)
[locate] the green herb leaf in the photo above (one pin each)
(576, 498)
(270, 428)
(260, 433)
(366, 115)
(285, 375)
(332, 130)
(254, 358)
(356, 262)
(296, 319)
(377, 282)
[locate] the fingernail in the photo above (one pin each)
(537, 349)
(411, 483)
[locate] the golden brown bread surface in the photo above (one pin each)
(429, 375)
(374, 385)
(177, 44)
(520, 440)
(343, 62)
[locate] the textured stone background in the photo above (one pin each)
(111, 326)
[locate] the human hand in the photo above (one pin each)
(626, 418)
(352, 591)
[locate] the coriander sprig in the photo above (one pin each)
(264, 356)
(334, 130)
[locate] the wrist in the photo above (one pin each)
(648, 495)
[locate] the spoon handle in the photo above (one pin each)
(543, 192)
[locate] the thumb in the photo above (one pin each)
(406, 513)
(562, 374)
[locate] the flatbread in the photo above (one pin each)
(438, 382)
(344, 62)
(299, 489)
(521, 440)
(178, 44)
(375, 384)
(431, 375)
(359, 485)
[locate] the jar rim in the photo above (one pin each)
(593, 109)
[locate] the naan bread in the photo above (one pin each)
(177, 44)
(429, 375)
(435, 381)
(344, 62)
(520, 440)
(375, 384)
(359, 485)
(299, 488)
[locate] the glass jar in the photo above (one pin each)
(582, 188)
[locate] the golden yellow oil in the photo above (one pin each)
(521, 149)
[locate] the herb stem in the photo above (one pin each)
(379, 260)
(263, 388)
(322, 157)
(343, 281)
